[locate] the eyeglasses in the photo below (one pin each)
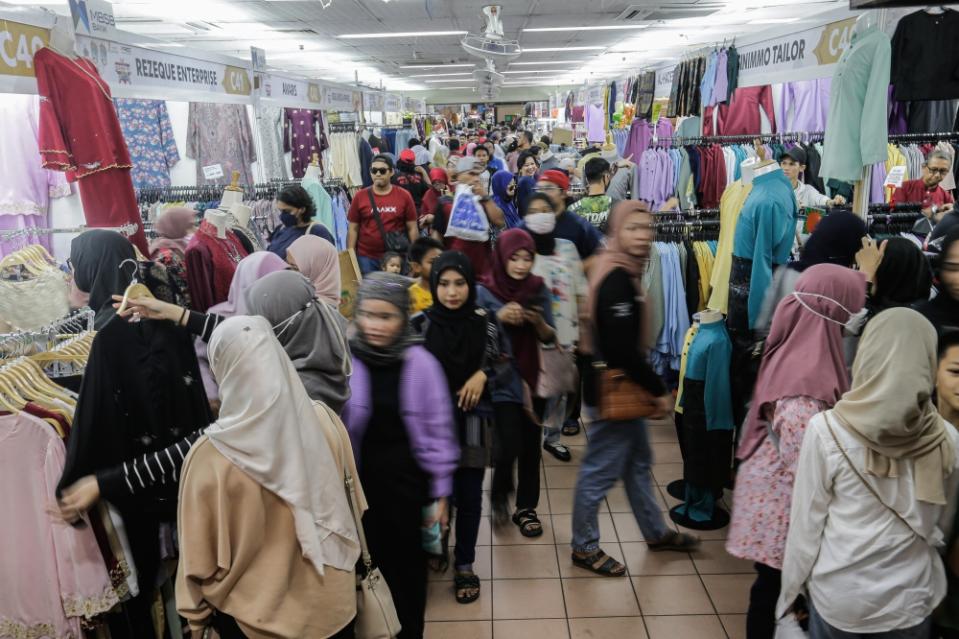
(379, 171)
(939, 171)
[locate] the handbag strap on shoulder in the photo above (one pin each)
(376, 216)
(351, 496)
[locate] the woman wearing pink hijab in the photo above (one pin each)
(174, 229)
(319, 262)
(803, 372)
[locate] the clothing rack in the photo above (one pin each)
(924, 137)
(342, 127)
(24, 343)
(792, 136)
(126, 230)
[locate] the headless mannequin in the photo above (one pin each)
(312, 172)
(747, 168)
(710, 316)
(219, 219)
(765, 167)
(241, 214)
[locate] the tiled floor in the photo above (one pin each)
(531, 589)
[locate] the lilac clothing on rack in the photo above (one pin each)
(803, 105)
(640, 135)
(721, 86)
(877, 192)
(26, 187)
(595, 124)
(897, 114)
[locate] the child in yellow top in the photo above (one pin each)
(422, 254)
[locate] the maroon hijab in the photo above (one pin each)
(523, 339)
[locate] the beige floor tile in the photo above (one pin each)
(561, 476)
(525, 562)
(567, 569)
(528, 599)
(441, 603)
(666, 473)
(680, 595)
(642, 562)
(667, 453)
(576, 451)
(607, 628)
(685, 627)
(575, 440)
(509, 535)
(529, 628)
(484, 537)
(561, 501)
(459, 630)
(711, 558)
(610, 597)
(626, 527)
(659, 434)
(481, 566)
(730, 593)
(563, 529)
(735, 625)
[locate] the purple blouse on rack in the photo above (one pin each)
(303, 136)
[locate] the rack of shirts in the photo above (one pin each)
(887, 221)
(910, 150)
(703, 80)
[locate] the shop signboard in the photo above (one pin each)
(93, 18)
(594, 94)
(373, 101)
(18, 43)
(818, 47)
(290, 90)
(126, 65)
(337, 99)
(664, 82)
(393, 103)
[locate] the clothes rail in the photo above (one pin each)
(22, 343)
(924, 137)
(126, 230)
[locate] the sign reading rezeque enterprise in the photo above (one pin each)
(147, 68)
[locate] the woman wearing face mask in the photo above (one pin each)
(296, 209)
(521, 303)
(836, 240)
(466, 341)
(404, 438)
(873, 479)
(943, 310)
(504, 191)
(558, 263)
(174, 229)
(267, 539)
(802, 373)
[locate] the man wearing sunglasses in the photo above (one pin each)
(935, 200)
(396, 211)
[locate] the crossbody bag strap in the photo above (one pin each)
(376, 216)
(867, 484)
(354, 507)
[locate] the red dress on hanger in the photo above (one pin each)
(210, 264)
(80, 134)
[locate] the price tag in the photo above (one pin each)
(657, 109)
(895, 176)
(213, 171)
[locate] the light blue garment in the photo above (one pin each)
(709, 79)
(340, 208)
(690, 127)
(708, 361)
(765, 233)
(669, 343)
(857, 127)
(323, 203)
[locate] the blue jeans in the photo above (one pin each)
(616, 450)
(553, 417)
(820, 629)
(367, 264)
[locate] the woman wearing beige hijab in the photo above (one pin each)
(873, 478)
(319, 262)
(268, 542)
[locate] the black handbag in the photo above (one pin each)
(394, 241)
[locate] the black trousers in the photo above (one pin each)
(393, 533)
(468, 504)
(520, 441)
(227, 628)
(761, 616)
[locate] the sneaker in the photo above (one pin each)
(558, 451)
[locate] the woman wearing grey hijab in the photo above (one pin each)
(312, 333)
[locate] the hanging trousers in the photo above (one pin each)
(761, 616)
(520, 441)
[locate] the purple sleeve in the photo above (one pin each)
(428, 415)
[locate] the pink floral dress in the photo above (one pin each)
(764, 485)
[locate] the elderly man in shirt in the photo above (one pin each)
(935, 200)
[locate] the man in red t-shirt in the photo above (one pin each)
(397, 213)
(935, 200)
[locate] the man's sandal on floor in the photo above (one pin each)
(600, 563)
(529, 524)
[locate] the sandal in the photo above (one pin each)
(529, 524)
(600, 563)
(676, 541)
(467, 586)
(571, 429)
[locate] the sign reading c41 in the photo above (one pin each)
(236, 81)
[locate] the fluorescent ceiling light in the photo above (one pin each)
(773, 21)
(612, 27)
(531, 64)
(435, 66)
(536, 71)
(452, 88)
(548, 49)
(400, 34)
(438, 75)
(454, 80)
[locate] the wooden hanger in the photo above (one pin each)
(134, 290)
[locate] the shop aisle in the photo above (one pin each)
(532, 590)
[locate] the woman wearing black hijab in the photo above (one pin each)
(465, 339)
(903, 277)
(943, 310)
(141, 392)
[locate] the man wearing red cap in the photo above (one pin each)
(569, 226)
(411, 177)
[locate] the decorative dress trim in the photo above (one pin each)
(88, 607)
(21, 208)
(17, 630)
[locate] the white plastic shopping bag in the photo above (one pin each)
(467, 217)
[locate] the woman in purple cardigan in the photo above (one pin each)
(400, 419)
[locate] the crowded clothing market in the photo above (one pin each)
(372, 319)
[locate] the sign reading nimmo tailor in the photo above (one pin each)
(821, 46)
(121, 64)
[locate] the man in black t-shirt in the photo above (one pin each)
(413, 178)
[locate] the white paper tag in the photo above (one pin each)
(213, 171)
(895, 176)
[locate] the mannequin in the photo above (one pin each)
(211, 259)
(241, 214)
(746, 168)
(710, 316)
(219, 219)
(313, 171)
